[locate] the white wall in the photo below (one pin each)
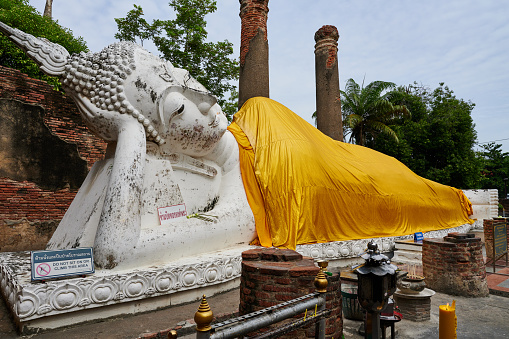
(484, 203)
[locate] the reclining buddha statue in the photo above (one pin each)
(270, 178)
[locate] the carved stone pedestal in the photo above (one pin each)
(108, 293)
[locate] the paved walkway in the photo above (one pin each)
(498, 282)
(477, 318)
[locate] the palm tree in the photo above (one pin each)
(368, 112)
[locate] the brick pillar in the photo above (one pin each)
(455, 265)
(272, 276)
(328, 106)
(254, 50)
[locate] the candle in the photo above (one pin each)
(447, 323)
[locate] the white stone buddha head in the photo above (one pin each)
(124, 81)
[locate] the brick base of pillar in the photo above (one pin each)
(272, 276)
(455, 265)
(414, 309)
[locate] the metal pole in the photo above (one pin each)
(321, 284)
(267, 319)
(372, 329)
(375, 322)
(320, 325)
(290, 327)
(202, 335)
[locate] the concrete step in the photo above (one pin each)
(409, 245)
(407, 255)
(407, 262)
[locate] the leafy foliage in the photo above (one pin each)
(19, 14)
(182, 41)
(496, 168)
(369, 112)
(437, 142)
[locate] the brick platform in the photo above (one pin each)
(272, 276)
(416, 307)
(455, 265)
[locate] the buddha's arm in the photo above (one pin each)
(232, 220)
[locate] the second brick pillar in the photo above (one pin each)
(272, 276)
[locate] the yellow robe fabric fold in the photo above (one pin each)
(305, 187)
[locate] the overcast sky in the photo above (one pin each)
(463, 43)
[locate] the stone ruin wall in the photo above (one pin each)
(484, 204)
(45, 154)
(254, 50)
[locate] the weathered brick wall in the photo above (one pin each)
(61, 114)
(417, 309)
(253, 17)
(30, 209)
(328, 104)
(29, 215)
(455, 265)
(272, 276)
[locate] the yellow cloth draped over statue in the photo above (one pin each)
(304, 187)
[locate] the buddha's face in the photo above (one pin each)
(194, 123)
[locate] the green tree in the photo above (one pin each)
(437, 142)
(369, 112)
(413, 140)
(496, 168)
(19, 14)
(182, 41)
(134, 27)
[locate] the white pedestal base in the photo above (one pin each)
(108, 293)
(56, 303)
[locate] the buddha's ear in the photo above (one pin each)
(50, 57)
